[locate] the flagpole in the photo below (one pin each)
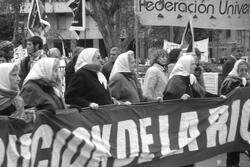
(136, 35)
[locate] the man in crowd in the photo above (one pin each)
(236, 53)
(35, 52)
(106, 70)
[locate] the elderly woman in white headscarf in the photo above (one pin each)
(10, 101)
(40, 88)
(123, 83)
(236, 78)
(88, 86)
(182, 83)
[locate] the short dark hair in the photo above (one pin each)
(236, 46)
(115, 49)
(2, 54)
(174, 55)
(36, 40)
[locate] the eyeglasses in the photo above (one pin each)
(243, 70)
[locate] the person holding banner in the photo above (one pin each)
(124, 85)
(238, 77)
(10, 101)
(156, 77)
(88, 86)
(182, 83)
(40, 88)
(35, 52)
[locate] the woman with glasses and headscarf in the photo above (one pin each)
(124, 85)
(40, 89)
(10, 101)
(88, 86)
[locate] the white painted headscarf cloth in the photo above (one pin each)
(234, 71)
(86, 57)
(9, 96)
(182, 66)
(6, 93)
(42, 69)
(121, 64)
(5, 69)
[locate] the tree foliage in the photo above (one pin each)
(112, 18)
(9, 19)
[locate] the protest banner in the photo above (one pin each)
(202, 45)
(212, 14)
(211, 80)
(175, 133)
(79, 21)
(38, 23)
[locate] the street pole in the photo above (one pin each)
(136, 35)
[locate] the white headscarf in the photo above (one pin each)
(85, 57)
(234, 71)
(121, 64)
(42, 69)
(182, 66)
(7, 95)
(5, 69)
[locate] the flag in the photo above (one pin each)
(37, 20)
(187, 42)
(63, 50)
(78, 23)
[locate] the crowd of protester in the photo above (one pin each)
(36, 83)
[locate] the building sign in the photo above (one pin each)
(214, 14)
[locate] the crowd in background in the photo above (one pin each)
(38, 83)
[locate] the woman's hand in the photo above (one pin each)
(30, 116)
(159, 99)
(185, 96)
(223, 96)
(94, 106)
(127, 103)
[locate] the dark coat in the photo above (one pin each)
(230, 83)
(228, 66)
(125, 87)
(85, 88)
(24, 69)
(40, 94)
(106, 69)
(69, 71)
(177, 86)
(8, 110)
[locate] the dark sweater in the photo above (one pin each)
(106, 69)
(179, 85)
(24, 70)
(85, 88)
(40, 94)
